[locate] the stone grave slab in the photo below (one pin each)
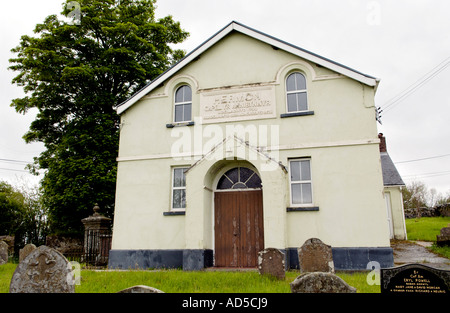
(141, 289)
(320, 282)
(271, 262)
(25, 251)
(44, 270)
(3, 252)
(414, 279)
(315, 256)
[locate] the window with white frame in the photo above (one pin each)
(179, 188)
(296, 96)
(183, 104)
(300, 181)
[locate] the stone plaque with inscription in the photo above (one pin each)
(415, 278)
(237, 104)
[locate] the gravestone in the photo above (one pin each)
(315, 256)
(414, 278)
(141, 289)
(25, 251)
(3, 252)
(444, 238)
(320, 282)
(271, 262)
(44, 270)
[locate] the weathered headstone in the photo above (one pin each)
(315, 256)
(320, 282)
(3, 252)
(141, 289)
(44, 270)
(271, 262)
(443, 239)
(25, 251)
(414, 278)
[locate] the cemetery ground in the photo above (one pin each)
(178, 281)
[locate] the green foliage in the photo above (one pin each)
(74, 73)
(22, 215)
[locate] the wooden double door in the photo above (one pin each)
(239, 227)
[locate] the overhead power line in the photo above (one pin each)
(423, 159)
(390, 104)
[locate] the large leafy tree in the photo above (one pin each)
(74, 71)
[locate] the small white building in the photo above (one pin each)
(248, 143)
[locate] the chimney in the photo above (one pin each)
(382, 142)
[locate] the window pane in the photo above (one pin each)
(224, 183)
(296, 193)
(233, 175)
(295, 171)
(245, 174)
(290, 83)
(179, 199)
(178, 113)
(305, 170)
(300, 81)
(179, 179)
(302, 103)
(187, 112)
(292, 102)
(254, 182)
(306, 193)
(239, 186)
(187, 93)
(179, 95)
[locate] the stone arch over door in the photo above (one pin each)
(238, 218)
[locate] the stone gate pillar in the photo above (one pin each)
(97, 238)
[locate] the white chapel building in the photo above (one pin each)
(250, 142)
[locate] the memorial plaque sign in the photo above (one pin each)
(237, 104)
(415, 278)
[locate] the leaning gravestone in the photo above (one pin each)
(320, 282)
(25, 251)
(3, 252)
(141, 289)
(44, 270)
(315, 256)
(271, 262)
(443, 239)
(414, 278)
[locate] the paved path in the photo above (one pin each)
(416, 252)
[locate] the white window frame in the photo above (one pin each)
(175, 104)
(296, 91)
(306, 204)
(172, 188)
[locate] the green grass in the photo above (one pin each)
(178, 281)
(425, 228)
(6, 273)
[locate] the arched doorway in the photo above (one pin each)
(238, 218)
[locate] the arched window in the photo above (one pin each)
(239, 178)
(296, 93)
(183, 104)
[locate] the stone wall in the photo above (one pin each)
(439, 210)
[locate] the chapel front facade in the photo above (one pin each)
(249, 143)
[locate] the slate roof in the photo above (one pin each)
(391, 176)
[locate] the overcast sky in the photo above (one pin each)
(404, 43)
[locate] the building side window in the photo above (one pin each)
(179, 188)
(183, 104)
(296, 95)
(300, 182)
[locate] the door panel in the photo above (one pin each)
(239, 234)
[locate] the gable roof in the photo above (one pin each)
(275, 42)
(391, 177)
